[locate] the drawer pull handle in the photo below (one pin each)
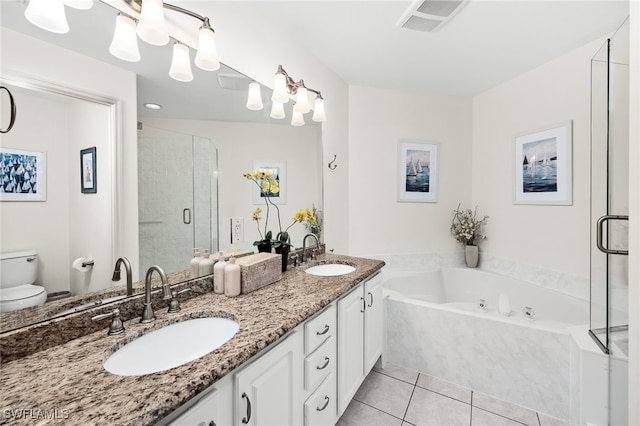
(326, 362)
(247, 419)
(325, 331)
(364, 304)
(371, 303)
(326, 402)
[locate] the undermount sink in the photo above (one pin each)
(171, 346)
(330, 270)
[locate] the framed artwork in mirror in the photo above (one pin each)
(417, 172)
(278, 170)
(22, 175)
(88, 181)
(542, 166)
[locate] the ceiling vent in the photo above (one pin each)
(233, 81)
(430, 15)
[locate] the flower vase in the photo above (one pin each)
(284, 251)
(264, 247)
(471, 256)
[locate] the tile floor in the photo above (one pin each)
(396, 396)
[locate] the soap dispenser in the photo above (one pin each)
(218, 274)
(232, 278)
(205, 267)
(195, 262)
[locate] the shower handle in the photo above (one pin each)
(600, 233)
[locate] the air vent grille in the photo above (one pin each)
(429, 15)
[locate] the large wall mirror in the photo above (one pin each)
(191, 157)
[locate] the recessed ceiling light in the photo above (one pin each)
(152, 105)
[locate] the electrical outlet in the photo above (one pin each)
(237, 230)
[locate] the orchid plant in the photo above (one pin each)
(269, 186)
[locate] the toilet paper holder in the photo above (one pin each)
(88, 263)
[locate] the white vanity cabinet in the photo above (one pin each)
(360, 338)
(212, 409)
(320, 368)
(268, 390)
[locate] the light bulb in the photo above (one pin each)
(207, 54)
(181, 63)
(152, 27)
(277, 110)
(125, 43)
(297, 119)
(302, 101)
(79, 4)
(48, 15)
(254, 100)
(280, 88)
(318, 110)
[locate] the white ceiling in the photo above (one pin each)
(483, 45)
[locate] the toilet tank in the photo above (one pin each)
(18, 268)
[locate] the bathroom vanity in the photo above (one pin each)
(283, 366)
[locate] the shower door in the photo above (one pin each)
(177, 198)
(609, 319)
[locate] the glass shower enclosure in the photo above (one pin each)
(177, 198)
(609, 316)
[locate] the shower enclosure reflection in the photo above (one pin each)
(177, 197)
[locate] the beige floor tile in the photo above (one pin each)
(359, 414)
(398, 372)
(385, 393)
(445, 388)
(432, 409)
(480, 417)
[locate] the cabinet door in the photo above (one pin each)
(350, 346)
(373, 322)
(268, 391)
(212, 409)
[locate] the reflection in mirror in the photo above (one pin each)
(209, 112)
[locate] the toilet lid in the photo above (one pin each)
(20, 292)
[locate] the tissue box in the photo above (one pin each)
(258, 270)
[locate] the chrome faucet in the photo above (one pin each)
(147, 313)
(304, 245)
(127, 267)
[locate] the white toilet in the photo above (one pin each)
(18, 272)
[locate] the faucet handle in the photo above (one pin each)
(295, 258)
(115, 327)
(313, 254)
(174, 305)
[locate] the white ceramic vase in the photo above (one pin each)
(471, 256)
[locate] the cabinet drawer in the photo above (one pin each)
(320, 363)
(318, 329)
(320, 409)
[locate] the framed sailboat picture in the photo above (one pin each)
(542, 166)
(417, 172)
(22, 175)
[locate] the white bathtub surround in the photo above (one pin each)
(573, 285)
(434, 325)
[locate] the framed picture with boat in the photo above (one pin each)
(417, 171)
(543, 166)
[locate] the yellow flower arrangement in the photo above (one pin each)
(269, 186)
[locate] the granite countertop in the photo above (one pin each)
(67, 382)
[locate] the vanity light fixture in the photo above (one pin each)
(151, 27)
(254, 101)
(284, 87)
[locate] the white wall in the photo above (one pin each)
(552, 237)
(378, 119)
(27, 225)
(239, 144)
(24, 56)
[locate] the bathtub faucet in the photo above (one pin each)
(482, 305)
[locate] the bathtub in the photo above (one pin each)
(434, 325)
